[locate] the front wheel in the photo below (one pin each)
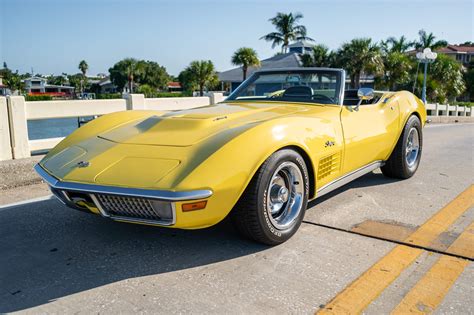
(272, 207)
(406, 156)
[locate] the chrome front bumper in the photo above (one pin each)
(146, 206)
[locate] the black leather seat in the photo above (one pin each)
(298, 92)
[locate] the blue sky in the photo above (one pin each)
(52, 36)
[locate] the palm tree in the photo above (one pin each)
(320, 56)
(399, 45)
(359, 56)
(245, 57)
(83, 66)
(199, 74)
(288, 30)
(428, 40)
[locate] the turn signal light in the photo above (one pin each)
(194, 206)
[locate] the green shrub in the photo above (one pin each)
(168, 94)
(468, 104)
(108, 96)
(34, 98)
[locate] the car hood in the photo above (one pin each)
(188, 127)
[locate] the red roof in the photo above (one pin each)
(174, 84)
(456, 49)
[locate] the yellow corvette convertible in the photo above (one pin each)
(283, 137)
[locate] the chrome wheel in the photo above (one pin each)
(412, 147)
(285, 195)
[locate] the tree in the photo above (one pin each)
(428, 40)
(399, 45)
(12, 80)
(129, 71)
(198, 75)
(76, 81)
(83, 66)
(359, 56)
(153, 75)
(320, 56)
(469, 79)
(288, 30)
(444, 82)
(245, 57)
(57, 80)
(448, 73)
(397, 70)
(122, 73)
(147, 90)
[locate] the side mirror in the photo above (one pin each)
(364, 94)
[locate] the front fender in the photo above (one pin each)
(228, 170)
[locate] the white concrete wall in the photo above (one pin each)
(176, 103)
(454, 110)
(5, 146)
(62, 109)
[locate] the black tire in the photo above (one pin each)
(251, 213)
(398, 165)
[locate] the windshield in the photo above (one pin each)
(314, 86)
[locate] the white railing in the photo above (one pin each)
(448, 110)
(15, 112)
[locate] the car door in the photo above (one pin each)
(370, 132)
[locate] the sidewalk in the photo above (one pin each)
(18, 181)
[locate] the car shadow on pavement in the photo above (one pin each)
(368, 180)
(49, 252)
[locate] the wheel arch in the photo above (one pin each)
(309, 165)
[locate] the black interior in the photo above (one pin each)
(299, 92)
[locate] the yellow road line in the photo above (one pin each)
(356, 297)
(438, 223)
(464, 244)
(428, 293)
(360, 293)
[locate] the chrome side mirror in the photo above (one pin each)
(364, 94)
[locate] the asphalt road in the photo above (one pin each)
(56, 260)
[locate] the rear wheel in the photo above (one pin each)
(272, 207)
(406, 156)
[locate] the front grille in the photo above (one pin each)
(129, 207)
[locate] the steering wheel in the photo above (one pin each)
(322, 98)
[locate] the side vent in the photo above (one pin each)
(329, 165)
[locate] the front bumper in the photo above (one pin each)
(134, 205)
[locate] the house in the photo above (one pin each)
(301, 47)
(40, 86)
(174, 87)
(233, 77)
(461, 53)
(106, 86)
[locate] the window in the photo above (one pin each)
(308, 86)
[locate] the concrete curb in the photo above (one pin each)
(450, 119)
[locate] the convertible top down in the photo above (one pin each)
(283, 137)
